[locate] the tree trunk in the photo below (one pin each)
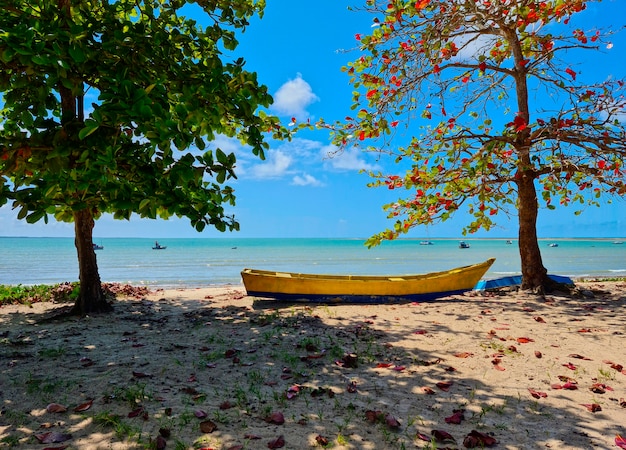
(91, 298)
(534, 274)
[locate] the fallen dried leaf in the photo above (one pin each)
(592, 407)
(279, 442)
(524, 340)
(478, 439)
(160, 443)
(620, 442)
(463, 354)
(537, 394)
(321, 440)
(141, 375)
(52, 437)
(538, 354)
(540, 319)
(84, 406)
(577, 356)
(276, 418)
(442, 436)
(391, 421)
(208, 426)
(444, 385)
(457, 416)
(55, 408)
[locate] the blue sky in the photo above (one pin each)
(297, 49)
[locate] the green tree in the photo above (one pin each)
(510, 114)
(109, 106)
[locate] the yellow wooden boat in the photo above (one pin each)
(362, 288)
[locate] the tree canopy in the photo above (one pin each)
(110, 106)
(510, 113)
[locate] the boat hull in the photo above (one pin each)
(361, 288)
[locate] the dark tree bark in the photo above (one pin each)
(534, 274)
(91, 298)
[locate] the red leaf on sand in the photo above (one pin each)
(372, 416)
(524, 340)
(62, 447)
(135, 412)
(161, 443)
(620, 442)
(570, 366)
(442, 436)
(496, 364)
(141, 375)
(251, 436)
(423, 437)
(420, 332)
(52, 437)
(399, 368)
(538, 354)
(321, 440)
(444, 385)
(592, 407)
(55, 408)
(463, 354)
(279, 442)
(84, 406)
(276, 418)
(537, 394)
(540, 319)
(428, 391)
(600, 388)
(208, 426)
(477, 439)
(456, 417)
(351, 388)
(200, 414)
(572, 386)
(577, 356)
(391, 421)
(383, 365)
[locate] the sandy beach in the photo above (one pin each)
(213, 368)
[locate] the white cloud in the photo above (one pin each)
(276, 165)
(348, 159)
(293, 97)
(306, 180)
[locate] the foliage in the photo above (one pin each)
(509, 110)
(61, 292)
(145, 86)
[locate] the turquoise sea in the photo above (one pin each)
(219, 261)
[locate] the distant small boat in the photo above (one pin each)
(376, 289)
(463, 244)
(618, 242)
(426, 243)
(158, 246)
(508, 241)
(554, 244)
(98, 247)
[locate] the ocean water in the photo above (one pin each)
(219, 261)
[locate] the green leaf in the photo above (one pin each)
(90, 127)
